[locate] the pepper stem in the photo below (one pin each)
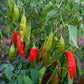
(34, 45)
(70, 81)
(23, 11)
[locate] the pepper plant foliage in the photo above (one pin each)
(53, 27)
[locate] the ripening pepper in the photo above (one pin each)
(22, 27)
(55, 80)
(44, 56)
(20, 46)
(33, 54)
(49, 42)
(41, 74)
(71, 63)
(15, 13)
(61, 45)
(15, 38)
(12, 53)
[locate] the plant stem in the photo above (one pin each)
(60, 3)
(64, 33)
(70, 81)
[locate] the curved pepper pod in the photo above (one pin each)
(20, 46)
(49, 42)
(22, 27)
(15, 38)
(41, 74)
(15, 13)
(61, 45)
(33, 54)
(44, 56)
(12, 53)
(71, 63)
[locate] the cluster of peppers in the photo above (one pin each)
(18, 42)
(47, 48)
(12, 11)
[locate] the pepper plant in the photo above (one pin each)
(44, 46)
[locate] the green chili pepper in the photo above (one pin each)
(10, 8)
(41, 74)
(28, 33)
(12, 53)
(61, 45)
(49, 42)
(15, 13)
(53, 45)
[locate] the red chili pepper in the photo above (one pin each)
(55, 64)
(33, 54)
(47, 77)
(20, 46)
(83, 82)
(71, 63)
(15, 37)
(44, 82)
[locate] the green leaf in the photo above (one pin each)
(8, 28)
(82, 73)
(48, 7)
(4, 78)
(47, 29)
(3, 66)
(8, 72)
(19, 66)
(22, 72)
(32, 6)
(27, 80)
(5, 34)
(20, 59)
(73, 35)
(2, 82)
(20, 80)
(20, 4)
(34, 75)
(62, 59)
(78, 67)
(65, 70)
(15, 82)
(3, 42)
(78, 1)
(51, 14)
